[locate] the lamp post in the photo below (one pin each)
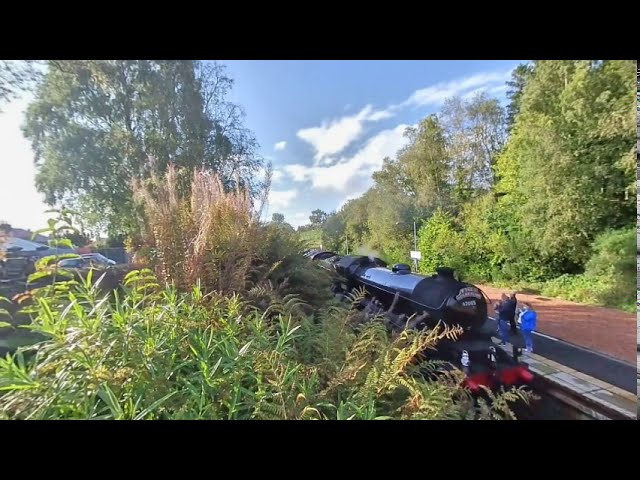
(346, 236)
(415, 242)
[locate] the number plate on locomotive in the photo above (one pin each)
(468, 292)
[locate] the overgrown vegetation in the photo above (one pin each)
(536, 194)
(156, 353)
(235, 325)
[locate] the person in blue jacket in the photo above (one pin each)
(528, 323)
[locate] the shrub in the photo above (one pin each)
(610, 276)
(282, 265)
(156, 353)
(208, 234)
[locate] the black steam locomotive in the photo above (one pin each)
(418, 301)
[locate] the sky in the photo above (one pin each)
(326, 126)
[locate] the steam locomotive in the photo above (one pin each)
(418, 301)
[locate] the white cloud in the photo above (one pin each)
(280, 145)
(334, 136)
(280, 199)
(438, 93)
(353, 173)
(499, 90)
(297, 219)
(277, 176)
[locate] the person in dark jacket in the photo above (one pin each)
(528, 323)
(512, 306)
(503, 309)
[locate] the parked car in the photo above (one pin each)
(89, 260)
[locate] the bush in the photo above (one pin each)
(207, 234)
(609, 278)
(161, 354)
(210, 235)
(610, 275)
(284, 271)
(441, 245)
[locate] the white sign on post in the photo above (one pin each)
(416, 255)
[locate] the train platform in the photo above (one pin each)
(593, 394)
(610, 331)
(583, 355)
(585, 393)
(603, 367)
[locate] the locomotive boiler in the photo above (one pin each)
(411, 300)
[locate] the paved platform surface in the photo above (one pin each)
(600, 366)
(622, 401)
(600, 329)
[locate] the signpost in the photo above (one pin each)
(416, 255)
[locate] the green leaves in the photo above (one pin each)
(173, 356)
(96, 124)
(560, 166)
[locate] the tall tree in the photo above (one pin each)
(475, 134)
(97, 125)
(566, 165)
(425, 165)
(519, 79)
(317, 218)
(277, 218)
(356, 216)
(333, 233)
(15, 76)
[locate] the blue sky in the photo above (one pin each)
(325, 125)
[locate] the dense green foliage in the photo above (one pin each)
(541, 204)
(156, 353)
(96, 125)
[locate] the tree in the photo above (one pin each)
(422, 168)
(317, 218)
(333, 233)
(475, 134)
(356, 216)
(390, 223)
(520, 76)
(277, 218)
(14, 77)
(565, 170)
(97, 125)
(78, 239)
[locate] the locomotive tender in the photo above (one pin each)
(419, 301)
